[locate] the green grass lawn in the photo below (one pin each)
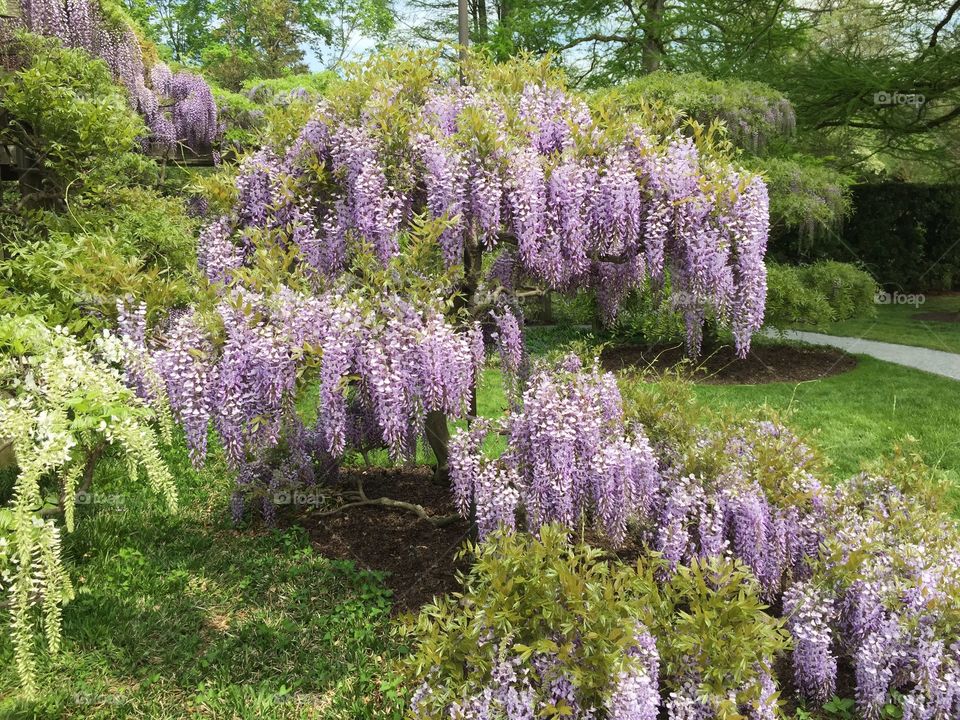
(895, 324)
(860, 415)
(184, 616)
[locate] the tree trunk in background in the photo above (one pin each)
(33, 194)
(652, 36)
(436, 428)
(546, 308)
(438, 437)
(480, 7)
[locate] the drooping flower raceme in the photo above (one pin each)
(60, 406)
(384, 364)
(809, 612)
(568, 455)
(176, 108)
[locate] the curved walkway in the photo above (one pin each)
(933, 361)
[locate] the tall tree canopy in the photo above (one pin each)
(883, 79)
(236, 40)
(875, 83)
(610, 40)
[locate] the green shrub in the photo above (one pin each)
(242, 117)
(666, 406)
(753, 113)
(65, 108)
(849, 291)
(816, 294)
(72, 268)
(714, 627)
(94, 226)
(576, 309)
(791, 301)
(562, 624)
(528, 598)
(310, 85)
(651, 317)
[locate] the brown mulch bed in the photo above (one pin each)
(418, 557)
(764, 364)
(947, 317)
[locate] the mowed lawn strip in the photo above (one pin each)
(896, 323)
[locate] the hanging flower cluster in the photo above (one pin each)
(733, 510)
(893, 618)
(385, 365)
(176, 108)
(867, 578)
(533, 174)
(410, 363)
(61, 403)
(569, 455)
(509, 339)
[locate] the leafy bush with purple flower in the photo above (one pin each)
(176, 107)
(354, 256)
(371, 260)
(546, 628)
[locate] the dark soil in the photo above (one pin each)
(418, 556)
(764, 364)
(947, 317)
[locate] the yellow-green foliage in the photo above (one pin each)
(527, 596)
(807, 196)
(63, 405)
(824, 292)
(65, 108)
(72, 267)
(95, 228)
(691, 95)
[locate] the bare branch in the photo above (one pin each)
(418, 510)
(914, 129)
(598, 37)
(934, 37)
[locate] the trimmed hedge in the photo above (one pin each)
(824, 292)
(906, 234)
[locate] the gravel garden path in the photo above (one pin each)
(932, 361)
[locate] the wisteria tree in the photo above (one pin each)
(177, 107)
(370, 253)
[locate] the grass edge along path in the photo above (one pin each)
(895, 323)
(861, 415)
